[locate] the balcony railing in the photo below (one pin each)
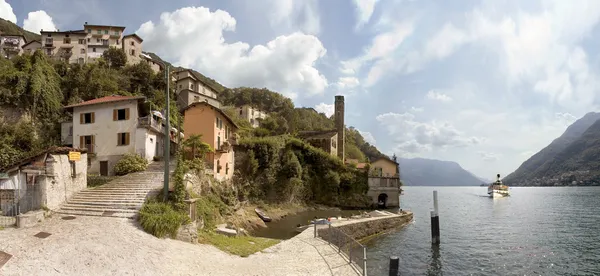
(378, 182)
(11, 42)
(148, 121)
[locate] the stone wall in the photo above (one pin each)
(362, 228)
(61, 185)
(188, 233)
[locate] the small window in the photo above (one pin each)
(87, 118)
(117, 33)
(67, 40)
(132, 52)
(99, 32)
(121, 114)
(132, 43)
(226, 168)
(49, 52)
(97, 40)
(94, 50)
(218, 166)
(151, 140)
(122, 139)
(82, 51)
(89, 31)
(82, 41)
(88, 40)
(118, 42)
(105, 31)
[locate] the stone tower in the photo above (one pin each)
(339, 126)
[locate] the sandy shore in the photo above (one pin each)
(113, 246)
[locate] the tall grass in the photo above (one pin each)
(161, 220)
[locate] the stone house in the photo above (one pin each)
(31, 47)
(252, 115)
(68, 46)
(11, 45)
(384, 182)
(218, 131)
(112, 126)
(325, 140)
(44, 180)
(132, 46)
(154, 64)
(191, 88)
(100, 37)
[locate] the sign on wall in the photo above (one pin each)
(74, 156)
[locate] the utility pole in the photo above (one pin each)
(167, 138)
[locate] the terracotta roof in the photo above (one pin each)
(386, 158)
(107, 99)
(134, 35)
(216, 108)
(32, 157)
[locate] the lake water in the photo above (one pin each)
(535, 231)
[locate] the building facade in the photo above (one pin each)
(69, 46)
(191, 89)
(100, 37)
(252, 115)
(112, 126)
(218, 131)
(32, 46)
(11, 45)
(155, 65)
(384, 182)
(132, 45)
(325, 140)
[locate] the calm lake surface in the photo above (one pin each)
(535, 231)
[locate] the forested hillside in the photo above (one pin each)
(10, 28)
(284, 118)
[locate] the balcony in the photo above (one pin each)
(11, 42)
(11, 49)
(383, 183)
(150, 122)
(66, 54)
(224, 147)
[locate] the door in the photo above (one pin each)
(104, 168)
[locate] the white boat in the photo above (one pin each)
(498, 189)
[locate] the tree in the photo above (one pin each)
(115, 57)
(197, 147)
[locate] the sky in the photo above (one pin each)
(483, 83)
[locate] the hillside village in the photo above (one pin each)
(83, 107)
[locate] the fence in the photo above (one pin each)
(347, 246)
(13, 203)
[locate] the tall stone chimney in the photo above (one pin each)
(339, 126)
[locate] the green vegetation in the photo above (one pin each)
(115, 57)
(161, 219)
(95, 180)
(285, 169)
(195, 148)
(8, 27)
(243, 246)
(130, 163)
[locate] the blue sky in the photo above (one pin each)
(482, 83)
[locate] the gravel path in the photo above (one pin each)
(114, 246)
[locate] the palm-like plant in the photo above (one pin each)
(195, 144)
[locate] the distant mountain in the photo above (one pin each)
(543, 166)
(430, 172)
(9, 28)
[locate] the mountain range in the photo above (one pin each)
(430, 172)
(571, 159)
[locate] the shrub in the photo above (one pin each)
(160, 219)
(130, 163)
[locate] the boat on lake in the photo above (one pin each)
(261, 214)
(498, 189)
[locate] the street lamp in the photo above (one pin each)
(167, 137)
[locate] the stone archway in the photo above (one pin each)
(382, 200)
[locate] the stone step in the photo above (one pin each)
(136, 190)
(113, 193)
(108, 198)
(96, 209)
(96, 214)
(110, 207)
(106, 203)
(101, 200)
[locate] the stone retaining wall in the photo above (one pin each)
(362, 228)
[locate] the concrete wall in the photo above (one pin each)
(61, 185)
(15, 50)
(387, 186)
(363, 228)
(58, 40)
(387, 167)
(187, 97)
(32, 47)
(251, 114)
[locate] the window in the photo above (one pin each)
(121, 114)
(94, 50)
(49, 52)
(180, 86)
(99, 32)
(226, 132)
(87, 142)
(226, 168)
(105, 31)
(123, 139)
(89, 31)
(71, 131)
(49, 40)
(117, 33)
(88, 40)
(218, 166)
(219, 142)
(240, 111)
(66, 40)
(118, 42)
(97, 40)
(86, 118)
(132, 52)
(151, 140)
(333, 145)
(133, 43)
(82, 41)
(82, 51)
(192, 86)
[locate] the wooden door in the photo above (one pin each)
(104, 168)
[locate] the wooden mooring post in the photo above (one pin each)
(435, 221)
(394, 264)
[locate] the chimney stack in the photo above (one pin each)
(339, 126)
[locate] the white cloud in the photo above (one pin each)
(347, 82)
(37, 21)
(302, 15)
(193, 37)
(328, 109)
(488, 156)
(369, 138)
(433, 95)
(6, 12)
(412, 136)
(364, 10)
(416, 109)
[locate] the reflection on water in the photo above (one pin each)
(435, 267)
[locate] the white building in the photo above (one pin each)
(251, 114)
(11, 45)
(112, 126)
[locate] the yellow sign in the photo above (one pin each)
(74, 156)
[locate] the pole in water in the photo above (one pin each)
(394, 263)
(435, 221)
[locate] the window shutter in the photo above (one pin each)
(119, 139)
(93, 118)
(127, 114)
(81, 118)
(127, 137)
(115, 114)
(93, 140)
(81, 142)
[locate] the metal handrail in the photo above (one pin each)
(346, 246)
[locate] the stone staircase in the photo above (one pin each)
(122, 197)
